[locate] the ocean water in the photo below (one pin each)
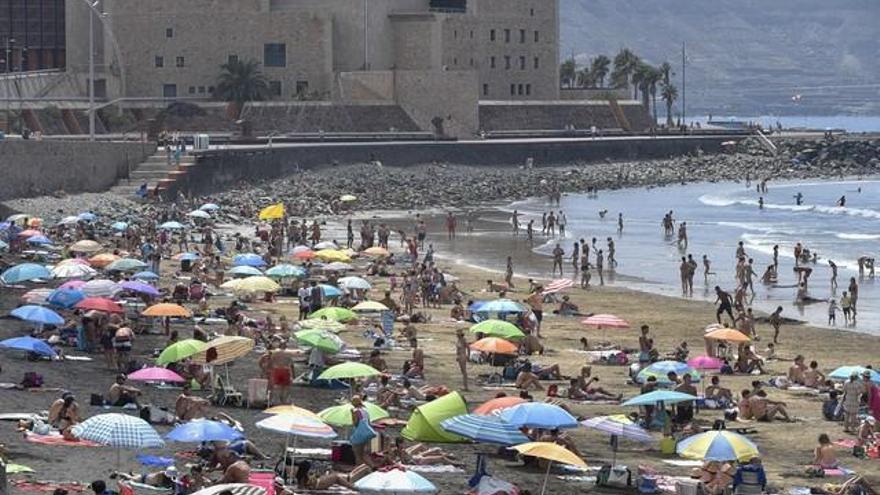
(718, 216)
(851, 123)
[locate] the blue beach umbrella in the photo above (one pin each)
(28, 344)
(65, 298)
(145, 275)
(329, 290)
(171, 226)
(285, 270)
(119, 430)
(666, 396)
(539, 415)
(247, 271)
(39, 240)
(661, 369)
(844, 372)
(488, 429)
(203, 430)
(87, 216)
(498, 306)
(25, 272)
(37, 314)
(119, 226)
(248, 259)
(394, 481)
(140, 288)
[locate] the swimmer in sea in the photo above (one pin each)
(799, 198)
(761, 203)
(842, 201)
(833, 266)
(602, 213)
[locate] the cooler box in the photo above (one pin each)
(258, 392)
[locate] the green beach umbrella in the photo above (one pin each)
(348, 370)
(335, 313)
(285, 271)
(498, 328)
(321, 324)
(341, 415)
(126, 265)
(322, 339)
(180, 351)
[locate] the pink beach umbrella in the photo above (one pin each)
(72, 284)
(155, 375)
(605, 321)
(705, 363)
(557, 286)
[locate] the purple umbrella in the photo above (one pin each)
(140, 287)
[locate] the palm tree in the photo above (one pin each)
(625, 63)
(567, 73)
(599, 69)
(585, 78)
(241, 82)
(665, 70)
(640, 78)
(669, 93)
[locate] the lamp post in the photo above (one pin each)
(10, 42)
(92, 72)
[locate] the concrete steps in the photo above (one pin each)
(156, 172)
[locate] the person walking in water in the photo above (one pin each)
(558, 253)
(620, 223)
(514, 219)
(707, 267)
(682, 236)
(833, 266)
(612, 262)
(600, 262)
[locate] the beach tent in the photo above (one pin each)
(424, 424)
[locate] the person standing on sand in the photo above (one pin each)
(514, 220)
(575, 257)
(723, 300)
(536, 304)
(585, 271)
(281, 373)
(508, 274)
(599, 269)
(775, 320)
(558, 253)
(461, 355)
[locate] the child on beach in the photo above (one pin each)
(832, 312)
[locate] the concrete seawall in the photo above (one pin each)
(35, 168)
(215, 169)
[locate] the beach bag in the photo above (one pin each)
(614, 476)
(32, 380)
(363, 433)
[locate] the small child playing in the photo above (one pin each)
(832, 312)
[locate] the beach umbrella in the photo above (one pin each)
(347, 198)
(486, 429)
(705, 363)
(844, 372)
(727, 335)
(257, 284)
(329, 290)
(140, 288)
(397, 480)
(85, 246)
(38, 240)
(87, 216)
(378, 252)
(551, 452)
(203, 430)
(186, 257)
(605, 321)
(74, 261)
(498, 328)
(353, 283)
(71, 220)
(171, 226)
(337, 266)
(233, 489)
(155, 374)
(209, 207)
(329, 255)
(292, 410)
(145, 275)
(167, 310)
(300, 249)
(539, 415)
(498, 306)
(245, 271)
(73, 270)
(120, 431)
(325, 245)
(718, 445)
(36, 296)
(557, 286)
(126, 265)
(227, 349)
(321, 339)
(661, 369)
(341, 415)
(335, 313)
(321, 324)
(24, 234)
(665, 396)
(272, 212)
(100, 288)
(28, 344)
(4, 246)
(102, 260)
(37, 314)
(494, 345)
(348, 370)
(199, 214)
(495, 406)
(369, 306)
(73, 284)
(286, 271)
(297, 426)
(180, 351)
(100, 304)
(119, 226)
(304, 254)
(618, 426)
(16, 217)
(25, 272)
(248, 259)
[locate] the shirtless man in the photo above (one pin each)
(813, 377)
(765, 409)
(612, 261)
(692, 270)
(775, 320)
(796, 372)
(558, 253)
(749, 274)
(682, 236)
(121, 394)
(281, 373)
(188, 407)
(599, 267)
(683, 268)
(746, 323)
(718, 393)
(514, 220)
(237, 470)
(461, 355)
(724, 304)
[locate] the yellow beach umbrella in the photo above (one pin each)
(257, 284)
(167, 309)
(551, 452)
(228, 348)
(332, 255)
(369, 306)
(292, 410)
(272, 212)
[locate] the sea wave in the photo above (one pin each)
(712, 200)
(857, 237)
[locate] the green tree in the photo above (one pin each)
(567, 73)
(241, 82)
(586, 78)
(625, 63)
(665, 70)
(599, 68)
(669, 93)
(654, 78)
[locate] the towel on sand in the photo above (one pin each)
(46, 486)
(57, 439)
(436, 469)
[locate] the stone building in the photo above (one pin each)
(31, 35)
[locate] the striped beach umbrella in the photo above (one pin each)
(225, 350)
(495, 406)
(487, 429)
(605, 321)
(120, 431)
(394, 481)
(718, 445)
(73, 270)
(557, 286)
(233, 488)
(37, 296)
(297, 426)
(100, 288)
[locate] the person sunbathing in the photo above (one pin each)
(823, 454)
(188, 407)
(377, 362)
(159, 479)
(307, 481)
(796, 370)
(420, 455)
(568, 308)
(237, 470)
(562, 439)
(387, 396)
(867, 437)
(64, 415)
(585, 382)
(716, 477)
(717, 393)
(813, 378)
(767, 410)
(121, 394)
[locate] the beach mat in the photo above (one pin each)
(46, 486)
(434, 469)
(57, 439)
(846, 443)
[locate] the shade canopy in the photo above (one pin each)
(424, 423)
(394, 481)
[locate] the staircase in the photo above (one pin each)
(154, 171)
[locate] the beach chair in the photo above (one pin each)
(225, 394)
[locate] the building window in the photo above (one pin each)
(275, 55)
(169, 90)
(507, 62)
(455, 34)
(485, 89)
(522, 35)
(179, 62)
(232, 59)
(491, 35)
(302, 88)
(275, 88)
(532, 12)
(472, 34)
(160, 61)
(454, 60)
(537, 36)
(201, 90)
(522, 62)
(492, 62)
(537, 62)
(169, 32)
(519, 89)
(192, 90)
(528, 89)
(513, 90)
(211, 89)
(472, 62)
(507, 35)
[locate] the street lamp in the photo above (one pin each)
(92, 7)
(10, 43)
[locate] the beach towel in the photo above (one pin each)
(17, 469)
(577, 478)
(154, 460)
(46, 486)
(309, 453)
(838, 471)
(263, 479)
(57, 439)
(846, 443)
(434, 469)
(682, 463)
